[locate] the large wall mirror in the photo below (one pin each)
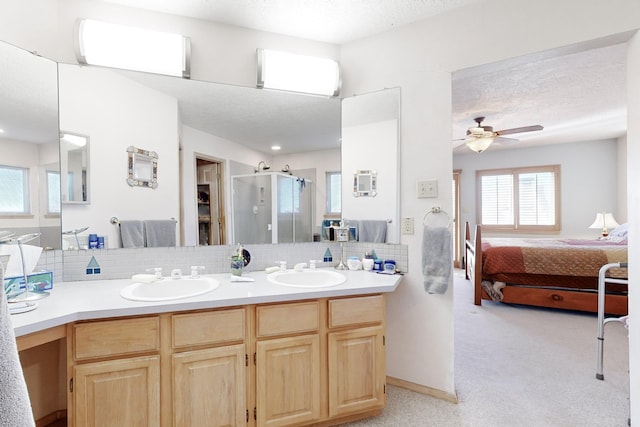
(205, 134)
(30, 162)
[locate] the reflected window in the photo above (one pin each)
(334, 193)
(53, 192)
(14, 190)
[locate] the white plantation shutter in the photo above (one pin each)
(520, 199)
(497, 200)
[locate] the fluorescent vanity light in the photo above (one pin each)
(118, 46)
(298, 73)
(77, 140)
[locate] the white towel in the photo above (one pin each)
(160, 232)
(436, 259)
(15, 406)
(132, 234)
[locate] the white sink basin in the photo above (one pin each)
(169, 289)
(307, 278)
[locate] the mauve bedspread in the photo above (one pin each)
(550, 262)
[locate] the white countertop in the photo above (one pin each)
(71, 301)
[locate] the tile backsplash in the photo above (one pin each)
(102, 264)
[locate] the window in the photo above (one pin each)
(524, 199)
(53, 192)
(334, 193)
(14, 190)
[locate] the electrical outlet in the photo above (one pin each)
(427, 188)
(407, 225)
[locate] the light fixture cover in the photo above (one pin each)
(119, 46)
(298, 73)
(77, 140)
(478, 144)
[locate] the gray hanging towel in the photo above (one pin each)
(436, 259)
(132, 234)
(15, 406)
(374, 231)
(160, 232)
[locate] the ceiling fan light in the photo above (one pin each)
(479, 144)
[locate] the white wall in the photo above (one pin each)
(585, 168)
(633, 199)
(372, 146)
(115, 113)
(420, 58)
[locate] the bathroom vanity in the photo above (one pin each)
(247, 353)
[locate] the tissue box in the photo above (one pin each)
(38, 281)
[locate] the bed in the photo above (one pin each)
(555, 273)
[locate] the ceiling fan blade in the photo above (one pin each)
(519, 130)
(503, 140)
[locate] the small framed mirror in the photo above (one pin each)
(74, 168)
(143, 168)
(364, 183)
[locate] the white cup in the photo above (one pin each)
(367, 264)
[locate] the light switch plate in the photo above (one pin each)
(427, 189)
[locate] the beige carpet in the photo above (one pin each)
(519, 366)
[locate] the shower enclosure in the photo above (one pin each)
(272, 207)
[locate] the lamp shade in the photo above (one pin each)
(604, 221)
(478, 144)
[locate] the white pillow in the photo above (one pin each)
(620, 231)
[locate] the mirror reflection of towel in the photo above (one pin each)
(132, 234)
(15, 406)
(374, 231)
(436, 259)
(160, 232)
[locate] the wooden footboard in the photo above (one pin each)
(473, 262)
(530, 295)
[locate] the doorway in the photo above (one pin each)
(210, 200)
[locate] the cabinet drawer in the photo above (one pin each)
(211, 327)
(284, 319)
(116, 337)
(356, 311)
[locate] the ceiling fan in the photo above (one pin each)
(480, 137)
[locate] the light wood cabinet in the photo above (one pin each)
(209, 387)
(123, 392)
(288, 380)
(356, 355)
(282, 364)
(356, 371)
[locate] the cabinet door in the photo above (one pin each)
(288, 380)
(356, 370)
(209, 387)
(124, 393)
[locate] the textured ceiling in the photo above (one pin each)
(578, 96)
(331, 21)
(576, 93)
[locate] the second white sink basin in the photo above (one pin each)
(307, 278)
(169, 289)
